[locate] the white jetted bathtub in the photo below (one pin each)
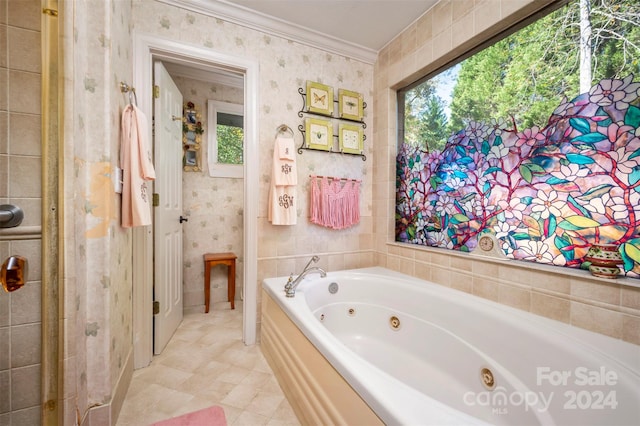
(416, 353)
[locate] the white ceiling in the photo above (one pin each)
(354, 28)
(368, 23)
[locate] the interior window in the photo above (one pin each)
(226, 139)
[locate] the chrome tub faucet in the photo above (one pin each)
(290, 286)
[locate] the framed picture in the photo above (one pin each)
(318, 134)
(351, 138)
(350, 105)
(192, 130)
(319, 98)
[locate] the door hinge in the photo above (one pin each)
(156, 307)
(156, 91)
(155, 200)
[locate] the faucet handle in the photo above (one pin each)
(287, 286)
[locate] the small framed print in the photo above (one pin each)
(319, 98)
(350, 105)
(318, 134)
(350, 138)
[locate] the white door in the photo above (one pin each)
(167, 225)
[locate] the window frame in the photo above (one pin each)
(216, 169)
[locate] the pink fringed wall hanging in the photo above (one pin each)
(335, 202)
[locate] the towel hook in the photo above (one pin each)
(125, 88)
(283, 128)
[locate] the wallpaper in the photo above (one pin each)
(284, 67)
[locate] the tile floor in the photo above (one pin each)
(204, 364)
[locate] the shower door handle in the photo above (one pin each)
(184, 219)
(10, 216)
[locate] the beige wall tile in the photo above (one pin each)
(24, 134)
(5, 350)
(4, 132)
(424, 28)
(630, 297)
(442, 45)
(408, 40)
(460, 8)
(24, 13)
(486, 288)
(407, 266)
(550, 281)
(441, 276)
(423, 271)
(596, 319)
(25, 345)
(631, 329)
(24, 179)
(393, 263)
(3, 45)
(442, 16)
(4, 89)
(486, 14)
(596, 290)
(3, 11)
(484, 269)
(25, 387)
(513, 274)
(24, 92)
(462, 30)
(32, 208)
(551, 307)
(24, 49)
(25, 303)
(462, 282)
(461, 263)
(440, 259)
(508, 7)
(514, 296)
(423, 256)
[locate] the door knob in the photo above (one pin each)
(184, 219)
(13, 274)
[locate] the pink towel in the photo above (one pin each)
(284, 178)
(135, 160)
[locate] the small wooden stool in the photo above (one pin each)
(211, 260)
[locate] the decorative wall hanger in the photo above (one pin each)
(318, 133)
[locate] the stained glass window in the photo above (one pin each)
(546, 175)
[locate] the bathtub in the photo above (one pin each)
(417, 353)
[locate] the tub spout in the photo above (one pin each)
(314, 259)
(291, 290)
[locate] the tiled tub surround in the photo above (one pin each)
(572, 296)
(415, 351)
(20, 160)
(445, 32)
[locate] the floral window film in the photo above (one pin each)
(547, 193)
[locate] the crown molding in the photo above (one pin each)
(246, 17)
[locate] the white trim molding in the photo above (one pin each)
(146, 49)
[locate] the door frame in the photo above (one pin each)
(146, 49)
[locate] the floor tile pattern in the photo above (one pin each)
(204, 364)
